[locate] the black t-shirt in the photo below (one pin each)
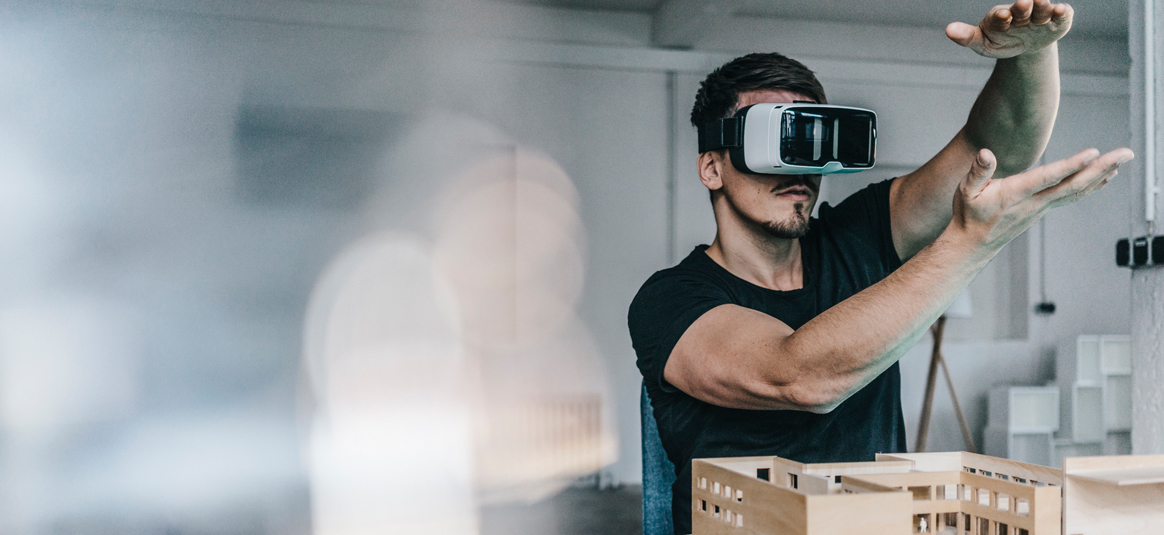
(847, 249)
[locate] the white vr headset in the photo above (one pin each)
(795, 139)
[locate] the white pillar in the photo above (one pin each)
(1148, 361)
(1147, 283)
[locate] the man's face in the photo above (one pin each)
(780, 204)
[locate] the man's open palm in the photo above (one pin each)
(996, 211)
(1007, 31)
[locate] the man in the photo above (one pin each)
(782, 337)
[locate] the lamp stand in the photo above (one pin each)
(936, 361)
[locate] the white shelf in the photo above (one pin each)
(1087, 359)
(1115, 354)
(1035, 448)
(1101, 397)
(1117, 403)
(1087, 413)
(1022, 422)
(1024, 409)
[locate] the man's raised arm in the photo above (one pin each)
(1012, 116)
(740, 358)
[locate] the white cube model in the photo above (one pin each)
(1022, 422)
(1101, 394)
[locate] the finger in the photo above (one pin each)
(1020, 12)
(1041, 12)
(1089, 179)
(997, 20)
(965, 35)
(1047, 176)
(1092, 186)
(1099, 184)
(980, 172)
(1063, 14)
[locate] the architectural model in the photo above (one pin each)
(953, 493)
(1116, 494)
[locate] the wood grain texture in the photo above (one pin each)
(872, 514)
(766, 508)
(1107, 495)
(1092, 496)
(952, 461)
(1125, 477)
(770, 508)
(1042, 516)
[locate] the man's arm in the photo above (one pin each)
(740, 358)
(1012, 116)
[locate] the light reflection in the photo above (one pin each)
(512, 243)
(390, 442)
(456, 366)
(34, 212)
(150, 302)
(64, 363)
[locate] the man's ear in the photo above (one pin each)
(710, 166)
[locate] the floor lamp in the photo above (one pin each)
(960, 308)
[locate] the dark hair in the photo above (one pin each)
(720, 92)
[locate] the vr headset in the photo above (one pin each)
(795, 139)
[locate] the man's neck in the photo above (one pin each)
(759, 258)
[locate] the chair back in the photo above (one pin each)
(658, 475)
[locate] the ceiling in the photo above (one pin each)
(642, 6)
(1095, 18)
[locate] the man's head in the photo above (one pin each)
(778, 204)
(718, 95)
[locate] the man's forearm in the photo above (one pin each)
(888, 318)
(1013, 117)
(1015, 112)
(847, 346)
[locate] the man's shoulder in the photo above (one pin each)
(694, 279)
(697, 268)
(855, 238)
(668, 303)
(872, 201)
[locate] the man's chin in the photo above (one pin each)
(788, 230)
(792, 227)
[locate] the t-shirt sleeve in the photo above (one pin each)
(862, 221)
(663, 310)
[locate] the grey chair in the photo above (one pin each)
(658, 475)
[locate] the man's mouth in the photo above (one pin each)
(799, 188)
(798, 192)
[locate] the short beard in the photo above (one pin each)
(793, 228)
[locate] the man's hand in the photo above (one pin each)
(1008, 31)
(993, 212)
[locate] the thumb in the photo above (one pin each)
(962, 33)
(980, 172)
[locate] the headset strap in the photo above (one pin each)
(721, 134)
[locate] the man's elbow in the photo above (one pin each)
(814, 397)
(1015, 157)
(1014, 164)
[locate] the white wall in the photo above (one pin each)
(1092, 294)
(1148, 297)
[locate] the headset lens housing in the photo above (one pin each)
(812, 136)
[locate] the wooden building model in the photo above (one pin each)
(1115, 494)
(953, 493)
